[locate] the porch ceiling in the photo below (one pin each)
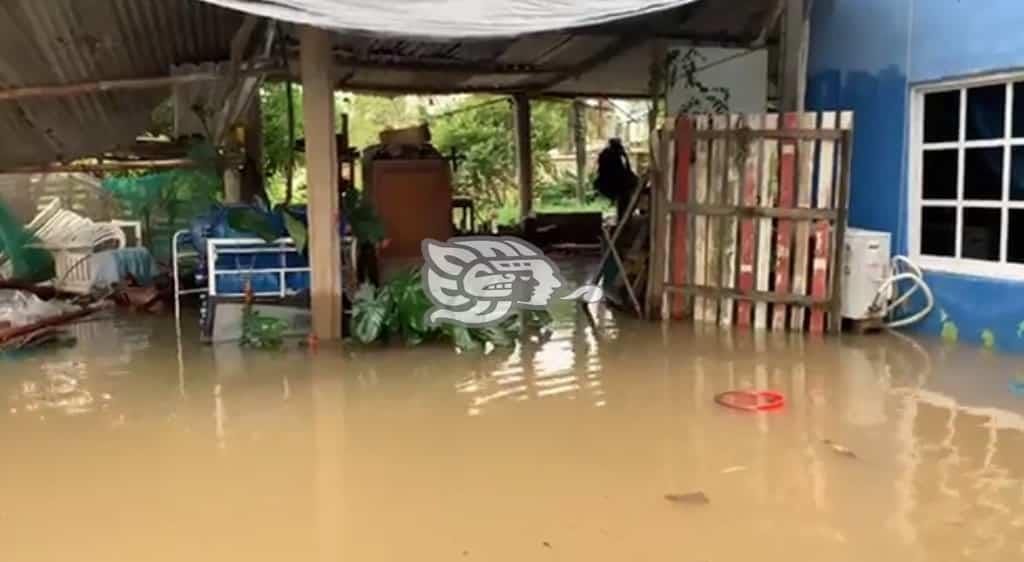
(65, 42)
(55, 42)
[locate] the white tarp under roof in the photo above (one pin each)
(450, 19)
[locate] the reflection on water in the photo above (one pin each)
(127, 447)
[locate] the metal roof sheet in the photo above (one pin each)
(52, 42)
(62, 42)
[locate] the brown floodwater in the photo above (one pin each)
(131, 447)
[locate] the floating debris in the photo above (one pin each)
(694, 498)
(546, 544)
(840, 449)
(732, 469)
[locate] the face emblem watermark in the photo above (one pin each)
(482, 280)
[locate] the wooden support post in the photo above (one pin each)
(322, 169)
(579, 121)
(232, 185)
(524, 155)
(795, 36)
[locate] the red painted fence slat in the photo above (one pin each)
(784, 236)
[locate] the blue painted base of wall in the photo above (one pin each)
(975, 310)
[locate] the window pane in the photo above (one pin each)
(1018, 109)
(942, 116)
(986, 112)
(938, 231)
(983, 173)
(1015, 242)
(938, 174)
(981, 234)
(1017, 173)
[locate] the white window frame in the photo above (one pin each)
(960, 265)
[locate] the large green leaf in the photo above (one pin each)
(362, 217)
(370, 310)
(252, 221)
(261, 332)
(296, 230)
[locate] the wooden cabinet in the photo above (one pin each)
(414, 201)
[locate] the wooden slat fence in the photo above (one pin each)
(750, 219)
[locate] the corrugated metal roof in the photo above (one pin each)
(56, 42)
(51, 42)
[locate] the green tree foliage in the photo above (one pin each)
(369, 115)
(480, 129)
(483, 135)
(275, 136)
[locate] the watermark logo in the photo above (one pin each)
(482, 280)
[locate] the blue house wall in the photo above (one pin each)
(866, 55)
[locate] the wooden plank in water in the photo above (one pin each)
(716, 189)
(747, 234)
(784, 231)
(822, 229)
(680, 220)
(731, 197)
(804, 200)
(700, 222)
(767, 196)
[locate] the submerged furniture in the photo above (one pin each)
(413, 198)
(74, 240)
(277, 274)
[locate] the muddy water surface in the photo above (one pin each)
(128, 447)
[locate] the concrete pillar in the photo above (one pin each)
(322, 170)
(524, 155)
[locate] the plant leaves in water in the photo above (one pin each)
(464, 340)
(297, 230)
(411, 303)
(261, 332)
(500, 336)
(537, 318)
(252, 221)
(370, 310)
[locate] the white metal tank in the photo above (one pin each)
(867, 258)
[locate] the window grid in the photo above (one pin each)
(1007, 141)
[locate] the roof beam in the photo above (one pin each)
(243, 37)
(616, 48)
(57, 168)
(469, 67)
(104, 86)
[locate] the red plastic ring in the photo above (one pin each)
(751, 400)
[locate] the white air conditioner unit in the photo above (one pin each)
(867, 265)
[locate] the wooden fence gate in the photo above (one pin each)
(750, 219)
